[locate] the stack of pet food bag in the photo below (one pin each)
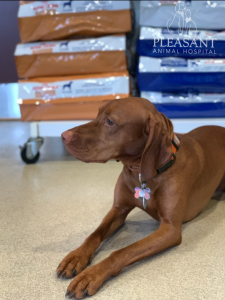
(182, 57)
(72, 57)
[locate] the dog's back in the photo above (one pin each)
(212, 141)
(204, 149)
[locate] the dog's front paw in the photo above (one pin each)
(74, 262)
(88, 282)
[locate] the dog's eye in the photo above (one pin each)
(110, 122)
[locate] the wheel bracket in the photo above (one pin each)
(32, 147)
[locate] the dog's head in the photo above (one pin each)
(128, 130)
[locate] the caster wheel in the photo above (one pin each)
(27, 160)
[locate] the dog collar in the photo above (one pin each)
(175, 147)
(144, 193)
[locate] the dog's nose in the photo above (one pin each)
(67, 136)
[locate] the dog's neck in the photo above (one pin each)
(136, 169)
(133, 164)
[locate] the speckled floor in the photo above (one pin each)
(46, 210)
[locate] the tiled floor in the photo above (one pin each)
(48, 209)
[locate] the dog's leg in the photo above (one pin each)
(78, 259)
(89, 281)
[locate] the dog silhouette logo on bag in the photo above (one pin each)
(67, 88)
(64, 46)
(67, 5)
(182, 19)
(195, 64)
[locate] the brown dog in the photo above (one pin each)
(182, 172)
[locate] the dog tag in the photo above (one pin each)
(144, 203)
(142, 193)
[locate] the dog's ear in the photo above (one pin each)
(158, 149)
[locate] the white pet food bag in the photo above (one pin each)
(183, 14)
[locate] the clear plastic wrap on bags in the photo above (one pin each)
(183, 14)
(203, 105)
(71, 97)
(159, 42)
(73, 57)
(178, 75)
(51, 20)
(156, 97)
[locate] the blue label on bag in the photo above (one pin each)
(167, 95)
(169, 62)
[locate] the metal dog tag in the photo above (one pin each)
(144, 203)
